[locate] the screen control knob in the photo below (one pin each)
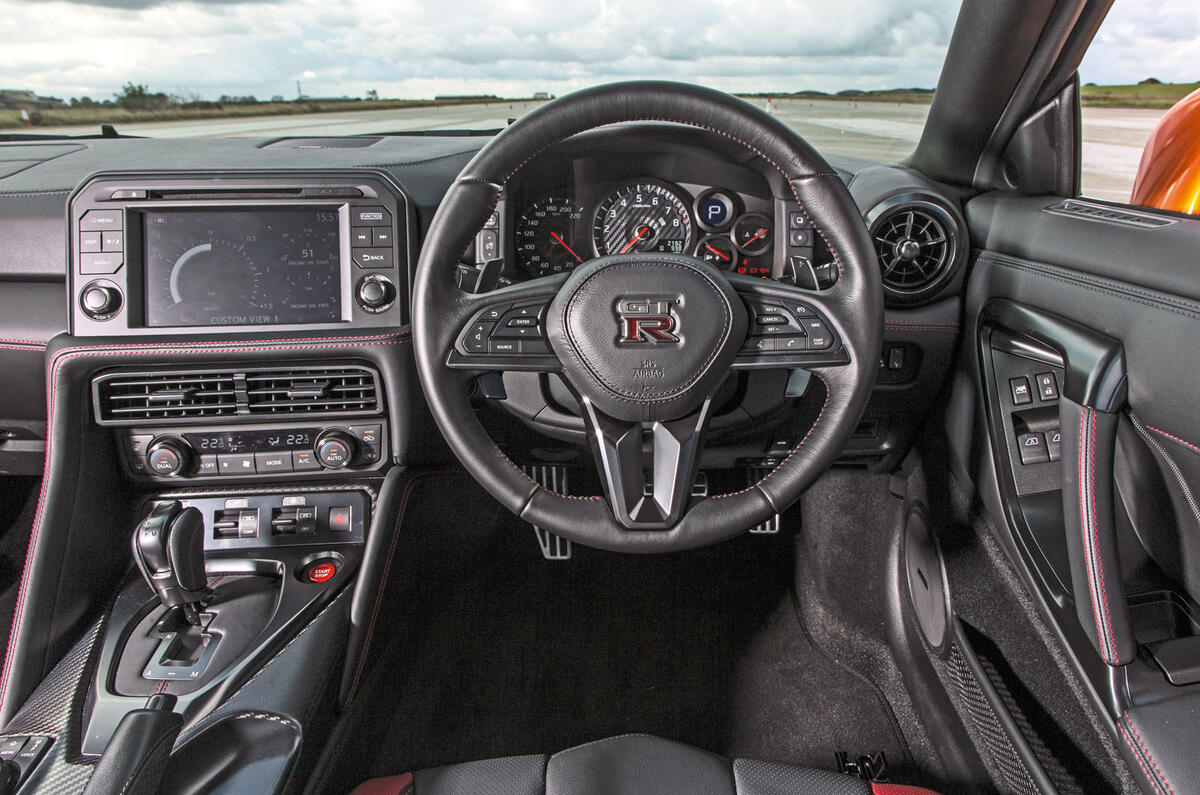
(168, 456)
(375, 293)
(99, 301)
(335, 449)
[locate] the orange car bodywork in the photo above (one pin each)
(1169, 174)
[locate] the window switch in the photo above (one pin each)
(1033, 448)
(1020, 390)
(1054, 444)
(1047, 386)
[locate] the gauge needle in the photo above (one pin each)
(563, 243)
(757, 235)
(719, 253)
(636, 238)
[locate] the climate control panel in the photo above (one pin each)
(291, 451)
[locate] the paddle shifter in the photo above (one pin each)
(169, 549)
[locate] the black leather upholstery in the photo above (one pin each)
(624, 765)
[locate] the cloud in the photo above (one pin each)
(515, 47)
(141, 4)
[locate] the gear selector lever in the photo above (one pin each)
(168, 546)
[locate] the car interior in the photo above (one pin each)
(637, 447)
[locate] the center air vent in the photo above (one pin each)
(136, 397)
(320, 390)
(163, 397)
(916, 242)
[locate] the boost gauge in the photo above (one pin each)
(644, 216)
(752, 233)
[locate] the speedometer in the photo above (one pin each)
(644, 216)
(545, 237)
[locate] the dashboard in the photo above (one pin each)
(228, 238)
(581, 203)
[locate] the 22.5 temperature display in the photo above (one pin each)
(255, 441)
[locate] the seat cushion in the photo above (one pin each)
(632, 764)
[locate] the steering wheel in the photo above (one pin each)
(644, 340)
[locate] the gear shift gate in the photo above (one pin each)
(184, 649)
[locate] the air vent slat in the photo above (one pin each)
(1101, 212)
(303, 391)
(143, 396)
(134, 398)
(915, 243)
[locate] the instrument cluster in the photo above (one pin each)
(557, 231)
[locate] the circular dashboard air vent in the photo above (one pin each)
(916, 242)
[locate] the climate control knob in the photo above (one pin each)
(335, 449)
(168, 456)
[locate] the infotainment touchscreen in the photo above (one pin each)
(248, 266)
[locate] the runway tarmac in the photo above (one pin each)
(1112, 137)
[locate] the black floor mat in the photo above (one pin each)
(503, 653)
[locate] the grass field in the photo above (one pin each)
(1142, 95)
(96, 116)
(1152, 95)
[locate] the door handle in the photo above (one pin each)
(1092, 396)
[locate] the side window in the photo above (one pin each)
(1141, 106)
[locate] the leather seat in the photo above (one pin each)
(627, 765)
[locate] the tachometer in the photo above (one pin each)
(545, 237)
(644, 216)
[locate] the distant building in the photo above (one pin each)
(20, 98)
(541, 95)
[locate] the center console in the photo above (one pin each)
(226, 417)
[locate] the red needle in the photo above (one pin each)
(718, 253)
(636, 238)
(757, 235)
(563, 243)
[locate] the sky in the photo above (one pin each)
(201, 50)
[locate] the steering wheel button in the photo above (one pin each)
(760, 344)
(522, 322)
(476, 339)
(536, 347)
(772, 320)
(791, 344)
(503, 346)
(494, 313)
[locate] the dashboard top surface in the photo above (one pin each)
(37, 177)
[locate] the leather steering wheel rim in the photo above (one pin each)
(853, 307)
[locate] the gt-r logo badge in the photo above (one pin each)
(642, 320)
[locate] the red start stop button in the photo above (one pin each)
(322, 571)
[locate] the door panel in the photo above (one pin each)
(1109, 530)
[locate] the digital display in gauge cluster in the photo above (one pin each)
(555, 232)
(250, 266)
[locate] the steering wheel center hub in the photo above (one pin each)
(646, 337)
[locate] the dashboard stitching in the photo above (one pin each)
(832, 249)
(623, 396)
(55, 367)
(1115, 289)
(34, 343)
(796, 449)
